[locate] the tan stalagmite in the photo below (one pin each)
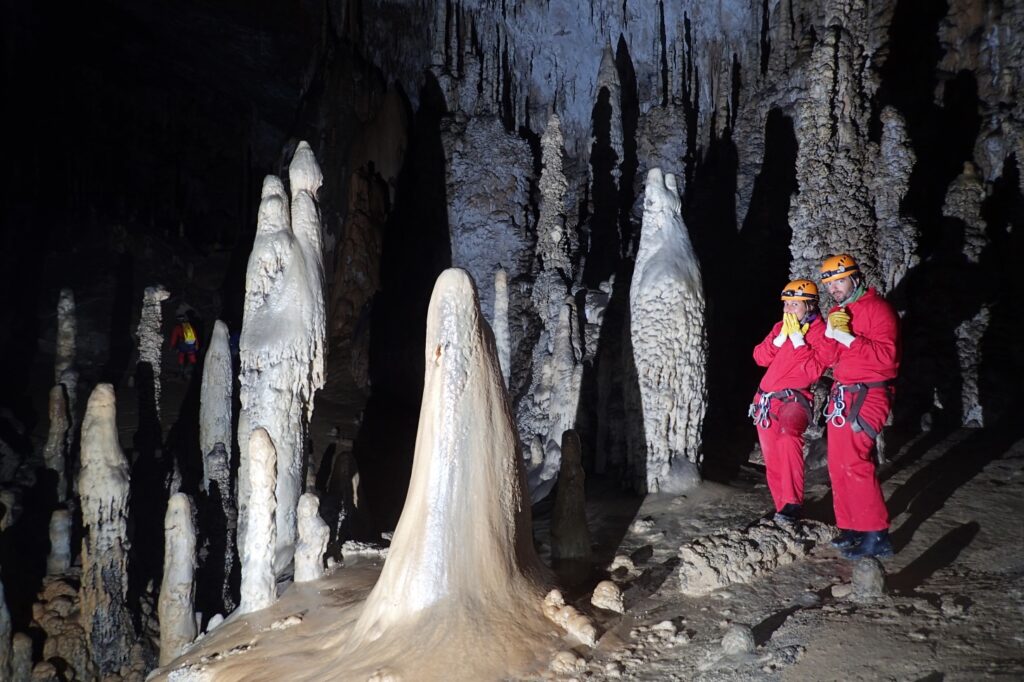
(259, 588)
(103, 485)
(313, 537)
(176, 605)
(59, 560)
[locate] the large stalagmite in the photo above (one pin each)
(104, 487)
(283, 338)
(666, 303)
(150, 334)
(215, 398)
(177, 591)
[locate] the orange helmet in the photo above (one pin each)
(800, 290)
(837, 267)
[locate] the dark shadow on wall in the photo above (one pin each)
(416, 249)
(603, 249)
(630, 108)
(709, 212)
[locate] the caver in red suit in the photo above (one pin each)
(791, 352)
(862, 334)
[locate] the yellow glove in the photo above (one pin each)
(790, 324)
(840, 321)
(804, 327)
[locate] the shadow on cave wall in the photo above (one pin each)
(416, 249)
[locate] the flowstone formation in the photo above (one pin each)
(669, 345)
(104, 487)
(743, 555)
(283, 339)
(215, 398)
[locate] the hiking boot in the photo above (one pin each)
(875, 543)
(847, 539)
(789, 515)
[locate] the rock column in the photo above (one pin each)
(177, 591)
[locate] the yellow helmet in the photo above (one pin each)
(800, 290)
(837, 267)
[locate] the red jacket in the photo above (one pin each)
(790, 367)
(178, 341)
(874, 354)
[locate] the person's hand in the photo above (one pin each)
(790, 323)
(839, 320)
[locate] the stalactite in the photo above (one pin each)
(313, 537)
(104, 487)
(259, 588)
(667, 313)
(177, 591)
(215, 397)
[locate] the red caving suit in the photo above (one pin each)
(873, 357)
(782, 443)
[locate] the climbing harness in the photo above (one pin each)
(760, 412)
(838, 417)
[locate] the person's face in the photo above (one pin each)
(798, 308)
(840, 289)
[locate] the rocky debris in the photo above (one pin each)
(664, 633)
(868, 579)
(567, 663)
(57, 614)
(742, 555)
(286, 622)
(738, 639)
(607, 595)
(569, 619)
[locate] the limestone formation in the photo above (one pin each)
(56, 448)
(215, 398)
(283, 340)
(61, 623)
(66, 330)
(868, 579)
(177, 591)
(150, 334)
(59, 560)
(221, 521)
(313, 537)
(569, 619)
(607, 595)
(259, 588)
(666, 302)
(104, 488)
(738, 639)
(502, 338)
(743, 555)
(21, 657)
(570, 537)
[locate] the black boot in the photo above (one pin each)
(847, 539)
(874, 544)
(789, 514)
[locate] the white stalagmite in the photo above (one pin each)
(150, 333)
(502, 339)
(462, 556)
(283, 339)
(215, 397)
(313, 537)
(104, 488)
(176, 604)
(55, 451)
(59, 560)
(66, 328)
(259, 588)
(6, 657)
(666, 303)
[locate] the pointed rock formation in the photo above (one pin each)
(313, 537)
(667, 317)
(215, 398)
(150, 334)
(283, 339)
(104, 488)
(59, 560)
(177, 591)
(55, 451)
(259, 588)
